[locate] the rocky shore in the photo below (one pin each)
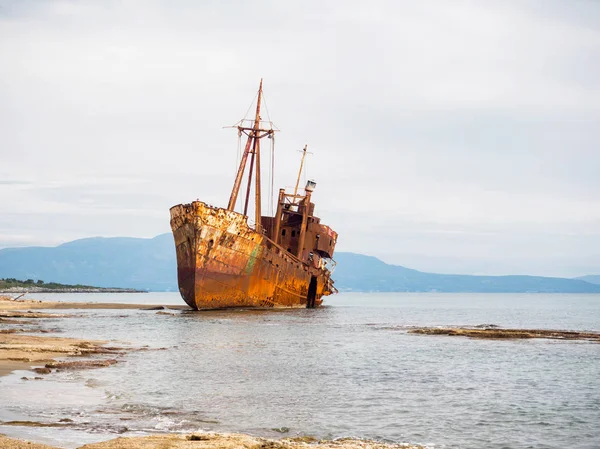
(494, 332)
(216, 441)
(38, 352)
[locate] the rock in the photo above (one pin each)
(500, 333)
(198, 437)
(44, 370)
(81, 364)
(304, 439)
(236, 441)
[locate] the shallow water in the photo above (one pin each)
(348, 369)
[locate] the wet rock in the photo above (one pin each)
(30, 314)
(32, 424)
(13, 321)
(487, 326)
(500, 333)
(81, 364)
(198, 437)
(44, 370)
(303, 439)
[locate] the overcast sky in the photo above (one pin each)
(448, 136)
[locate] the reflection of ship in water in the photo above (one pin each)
(282, 261)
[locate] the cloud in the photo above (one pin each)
(440, 131)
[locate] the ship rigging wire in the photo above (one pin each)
(237, 163)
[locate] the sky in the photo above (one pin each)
(453, 137)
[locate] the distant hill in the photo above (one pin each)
(12, 285)
(364, 273)
(151, 264)
(103, 262)
(592, 278)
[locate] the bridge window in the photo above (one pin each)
(283, 232)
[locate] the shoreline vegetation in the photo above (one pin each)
(11, 285)
(43, 355)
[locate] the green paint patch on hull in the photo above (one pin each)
(252, 259)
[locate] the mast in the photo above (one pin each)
(300, 171)
(256, 155)
(252, 148)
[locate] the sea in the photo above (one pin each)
(348, 369)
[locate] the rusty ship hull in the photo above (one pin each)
(223, 263)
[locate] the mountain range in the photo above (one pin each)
(150, 264)
(592, 278)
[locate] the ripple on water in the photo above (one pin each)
(347, 370)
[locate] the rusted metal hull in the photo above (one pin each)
(222, 263)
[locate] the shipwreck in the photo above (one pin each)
(225, 260)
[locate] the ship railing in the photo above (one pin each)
(329, 264)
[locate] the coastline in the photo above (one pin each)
(215, 441)
(7, 303)
(20, 350)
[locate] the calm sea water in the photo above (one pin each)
(348, 369)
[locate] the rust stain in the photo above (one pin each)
(222, 262)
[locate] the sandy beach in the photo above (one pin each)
(19, 351)
(7, 304)
(214, 441)
(24, 351)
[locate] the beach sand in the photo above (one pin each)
(7, 303)
(19, 351)
(11, 443)
(215, 441)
